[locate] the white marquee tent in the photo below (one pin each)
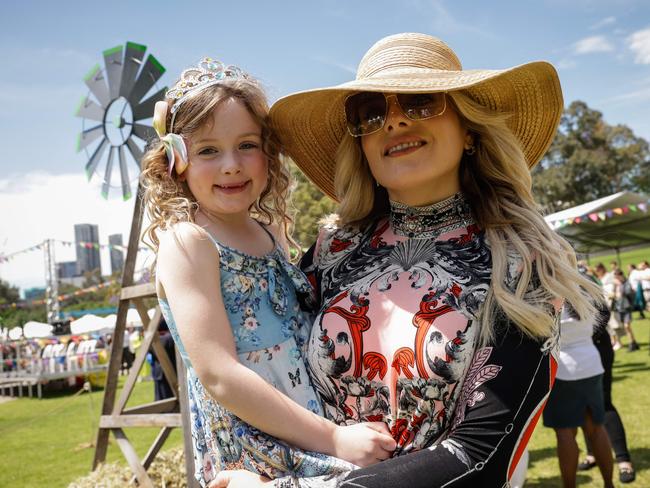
(614, 222)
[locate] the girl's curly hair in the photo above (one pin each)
(168, 200)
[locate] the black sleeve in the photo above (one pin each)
(501, 400)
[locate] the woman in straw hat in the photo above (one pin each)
(439, 282)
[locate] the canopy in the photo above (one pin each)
(614, 222)
(89, 323)
(33, 330)
(15, 333)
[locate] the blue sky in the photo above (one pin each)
(600, 47)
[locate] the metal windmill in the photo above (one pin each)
(115, 116)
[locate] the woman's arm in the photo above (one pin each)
(188, 271)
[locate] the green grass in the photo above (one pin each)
(631, 396)
(42, 441)
(628, 257)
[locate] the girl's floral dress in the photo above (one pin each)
(270, 330)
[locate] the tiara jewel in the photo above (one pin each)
(206, 73)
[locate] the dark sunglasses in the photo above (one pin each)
(366, 112)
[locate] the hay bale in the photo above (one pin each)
(167, 471)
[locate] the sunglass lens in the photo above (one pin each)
(419, 106)
(365, 113)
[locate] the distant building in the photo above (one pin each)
(86, 238)
(34, 293)
(117, 255)
(66, 269)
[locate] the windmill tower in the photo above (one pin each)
(114, 134)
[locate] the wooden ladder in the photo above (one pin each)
(166, 414)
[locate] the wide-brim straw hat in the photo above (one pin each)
(311, 124)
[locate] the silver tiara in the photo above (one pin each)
(206, 73)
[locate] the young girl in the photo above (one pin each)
(215, 194)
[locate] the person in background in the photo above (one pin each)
(614, 327)
(644, 276)
(634, 278)
(577, 400)
(622, 306)
(162, 389)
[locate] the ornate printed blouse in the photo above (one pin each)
(396, 341)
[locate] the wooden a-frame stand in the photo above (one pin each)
(165, 414)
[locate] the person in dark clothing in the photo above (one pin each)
(162, 390)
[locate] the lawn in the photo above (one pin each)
(42, 441)
(45, 442)
(628, 257)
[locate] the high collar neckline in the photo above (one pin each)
(432, 220)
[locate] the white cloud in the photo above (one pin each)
(639, 42)
(37, 206)
(566, 63)
(603, 23)
(593, 44)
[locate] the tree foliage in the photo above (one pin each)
(310, 206)
(590, 159)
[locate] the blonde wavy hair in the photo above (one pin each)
(168, 200)
(497, 183)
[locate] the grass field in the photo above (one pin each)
(628, 257)
(42, 441)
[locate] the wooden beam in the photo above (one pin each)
(140, 420)
(138, 291)
(132, 458)
(115, 362)
(168, 405)
(155, 447)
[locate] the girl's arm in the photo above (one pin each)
(501, 401)
(188, 270)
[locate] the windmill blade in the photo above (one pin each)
(95, 158)
(88, 136)
(124, 173)
(97, 85)
(88, 109)
(144, 132)
(135, 151)
(113, 62)
(132, 62)
(145, 109)
(151, 72)
(107, 175)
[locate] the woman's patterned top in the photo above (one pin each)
(396, 341)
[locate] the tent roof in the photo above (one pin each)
(34, 329)
(630, 228)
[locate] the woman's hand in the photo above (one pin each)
(363, 444)
(239, 478)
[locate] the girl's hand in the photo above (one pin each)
(239, 478)
(363, 444)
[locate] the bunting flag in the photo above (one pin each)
(5, 258)
(601, 216)
(61, 298)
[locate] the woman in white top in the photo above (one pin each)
(577, 400)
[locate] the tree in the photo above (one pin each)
(310, 206)
(8, 292)
(590, 159)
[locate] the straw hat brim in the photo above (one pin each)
(311, 124)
